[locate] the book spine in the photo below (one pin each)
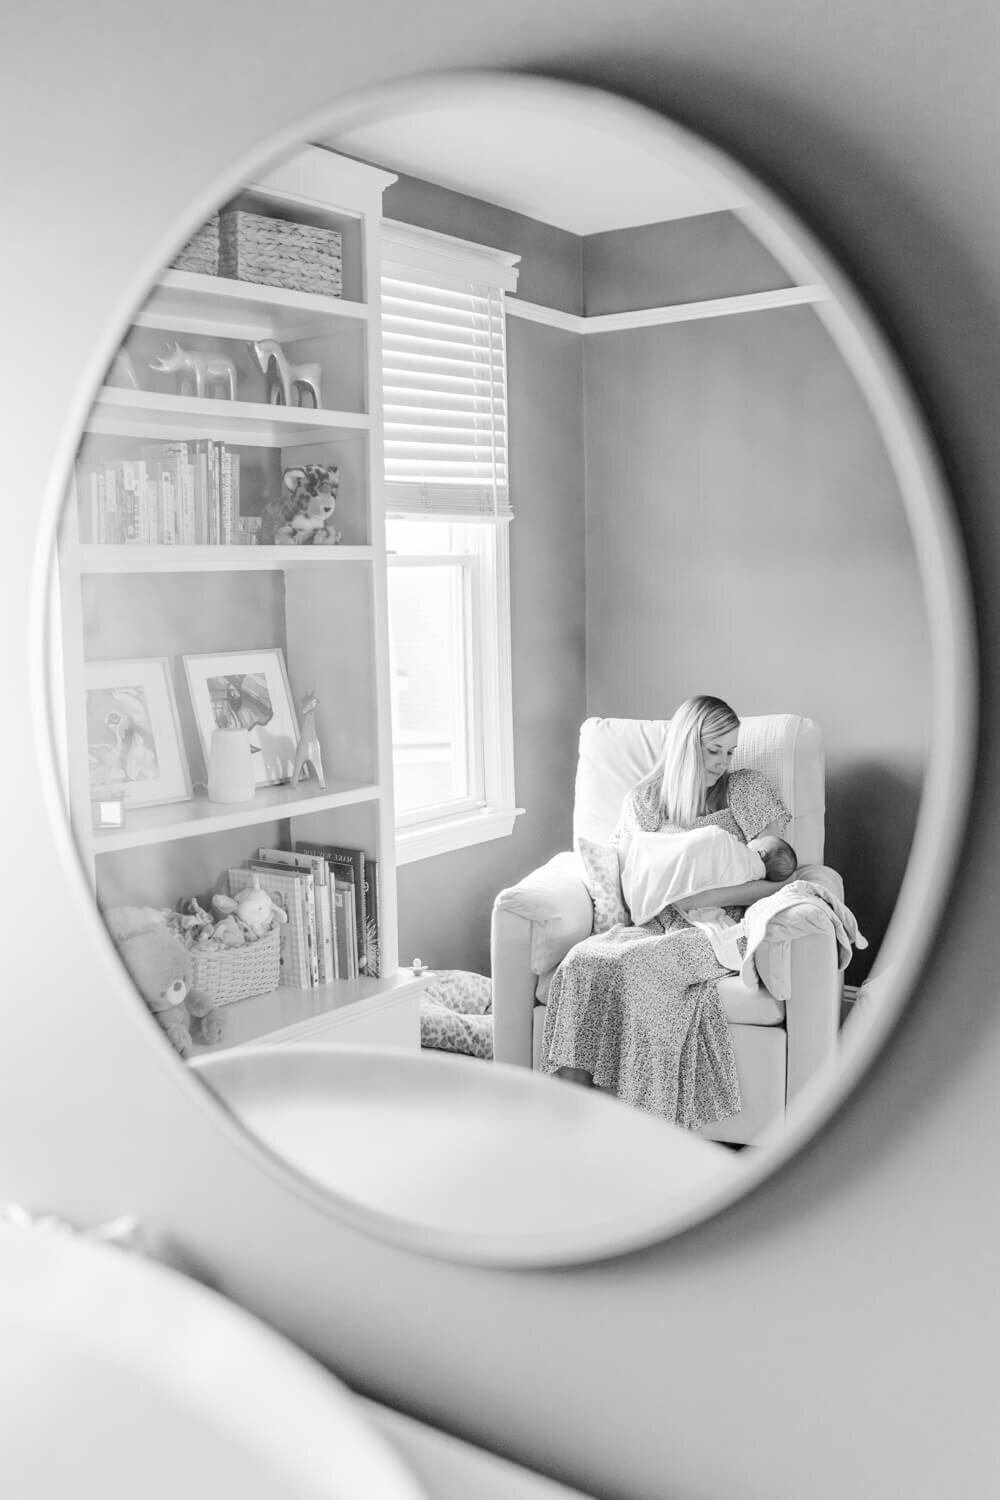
(215, 499)
(145, 526)
(234, 520)
(361, 913)
(225, 495)
(177, 464)
(373, 914)
(348, 931)
(324, 922)
(331, 894)
(168, 507)
(339, 928)
(201, 494)
(154, 532)
(129, 502)
(189, 528)
(112, 529)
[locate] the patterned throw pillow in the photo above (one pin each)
(603, 880)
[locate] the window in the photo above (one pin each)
(447, 507)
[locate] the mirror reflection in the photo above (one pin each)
(491, 623)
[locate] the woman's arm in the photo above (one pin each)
(775, 830)
(732, 895)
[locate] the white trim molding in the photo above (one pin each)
(447, 835)
(678, 312)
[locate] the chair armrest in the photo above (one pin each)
(556, 902)
(535, 923)
(812, 1009)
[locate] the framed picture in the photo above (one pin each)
(133, 733)
(247, 689)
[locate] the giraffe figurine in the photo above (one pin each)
(307, 751)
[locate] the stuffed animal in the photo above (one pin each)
(199, 929)
(303, 514)
(160, 967)
(253, 908)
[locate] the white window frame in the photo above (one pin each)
(492, 812)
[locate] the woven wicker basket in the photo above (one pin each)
(229, 974)
(276, 252)
(201, 253)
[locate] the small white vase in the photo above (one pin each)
(230, 767)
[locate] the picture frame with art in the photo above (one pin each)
(134, 742)
(249, 690)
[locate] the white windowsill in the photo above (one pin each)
(453, 833)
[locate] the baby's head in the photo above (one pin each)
(780, 859)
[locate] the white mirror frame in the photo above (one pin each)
(948, 781)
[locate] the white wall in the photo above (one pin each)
(827, 1337)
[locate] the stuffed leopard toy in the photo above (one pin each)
(303, 515)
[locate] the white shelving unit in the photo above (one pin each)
(325, 607)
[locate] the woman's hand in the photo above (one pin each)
(732, 895)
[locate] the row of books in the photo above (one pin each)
(173, 494)
(330, 895)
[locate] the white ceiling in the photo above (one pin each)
(575, 159)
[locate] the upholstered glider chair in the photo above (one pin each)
(780, 1039)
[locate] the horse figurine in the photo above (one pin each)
(307, 751)
(284, 378)
(198, 368)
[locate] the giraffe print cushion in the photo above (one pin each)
(602, 877)
(456, 1013)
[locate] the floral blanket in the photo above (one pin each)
(456, 1013)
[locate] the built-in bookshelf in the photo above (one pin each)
(164, 562)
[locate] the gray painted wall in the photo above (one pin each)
(683, 260)
(833, 1335)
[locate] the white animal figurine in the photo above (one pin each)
(204, 370)
(284, 378)
(307, 751)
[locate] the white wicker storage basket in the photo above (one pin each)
(276, 252)
(229, 974)
(201, 253)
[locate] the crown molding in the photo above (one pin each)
(679, 312)
(409, 247)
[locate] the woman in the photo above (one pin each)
(635, 1010)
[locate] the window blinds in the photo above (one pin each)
(444, 378)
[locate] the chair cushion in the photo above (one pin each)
(756, 1007)
(615, 754)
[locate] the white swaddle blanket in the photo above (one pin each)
(661, 868)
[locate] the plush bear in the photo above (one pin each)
(303, 515)
(161, 970)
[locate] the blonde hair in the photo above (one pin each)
(681, 765)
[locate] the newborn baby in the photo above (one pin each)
(768, 858)
(661, 868)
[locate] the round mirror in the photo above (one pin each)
(516, 669)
